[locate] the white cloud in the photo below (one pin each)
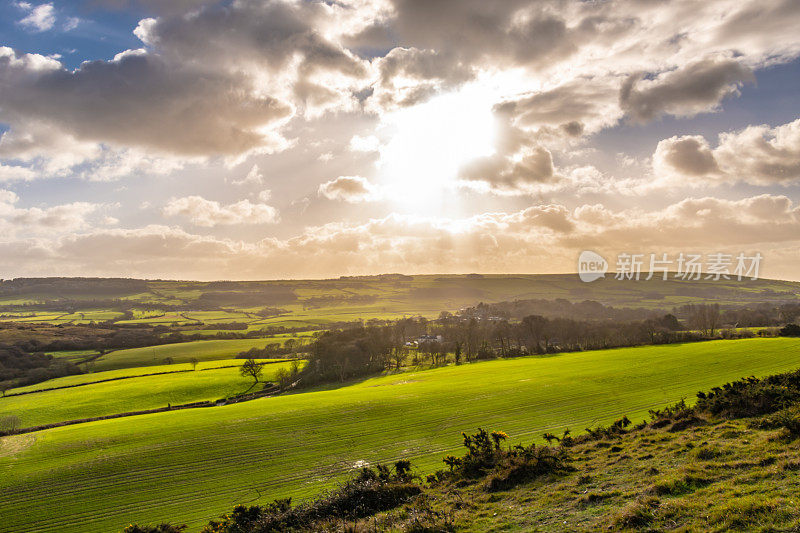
(758, 155)
(540, 238)
(72, 23)
(48, 220)
(369, 143)
(351, 189)
(209, 213)
(253, 177)
(40, 18)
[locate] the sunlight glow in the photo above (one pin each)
(430, 142)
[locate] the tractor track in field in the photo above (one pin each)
(207, 465)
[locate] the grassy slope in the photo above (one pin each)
(134, 394)
(192, 465)
(718, 477)
(180, 353)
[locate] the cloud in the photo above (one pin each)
(16, 173)
(48, 220)
(351, 189)
(364, 144)
(228, 78)
(688, 155)
(221, 81)
(159, 6)
(512, 175)
(39, 18)
(577, 107)
(208, 213)
(544, 237)
(282, 41)
(694, 88)
(758, 155)
(37, 151)
(140, 100)
(71, 23)
(761, 155)
(253, 177)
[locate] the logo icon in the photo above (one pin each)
(591, 266)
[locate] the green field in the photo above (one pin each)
(180, 353)
(195, 464)
(133, 394)
(318, 303)
(92, 377)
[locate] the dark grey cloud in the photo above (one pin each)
(214, 82)
(504, 174)
(686, 91)
(270, 34)
(688, 155)
(469, 32)
(141, 100)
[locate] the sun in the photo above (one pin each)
(430, 142)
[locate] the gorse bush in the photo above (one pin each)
(616, 429)
(371, 491)
(751, 396)
(504, 469)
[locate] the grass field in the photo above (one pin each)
(180, 353)
(195, 464)
(319, 303)
(133, 394)
(92, 377)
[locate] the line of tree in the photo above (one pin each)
(338, 355)
(752, 315)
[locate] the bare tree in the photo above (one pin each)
(252, 368)
(706, 318)
(194, 361)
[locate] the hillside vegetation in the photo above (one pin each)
(191, 466)
(728, 463)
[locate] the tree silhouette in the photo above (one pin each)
(252, 368)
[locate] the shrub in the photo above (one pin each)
(371, 491)
(751, 396)
(506, 468)
(521, 464)
(790, 330)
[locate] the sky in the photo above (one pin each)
(273, 139)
